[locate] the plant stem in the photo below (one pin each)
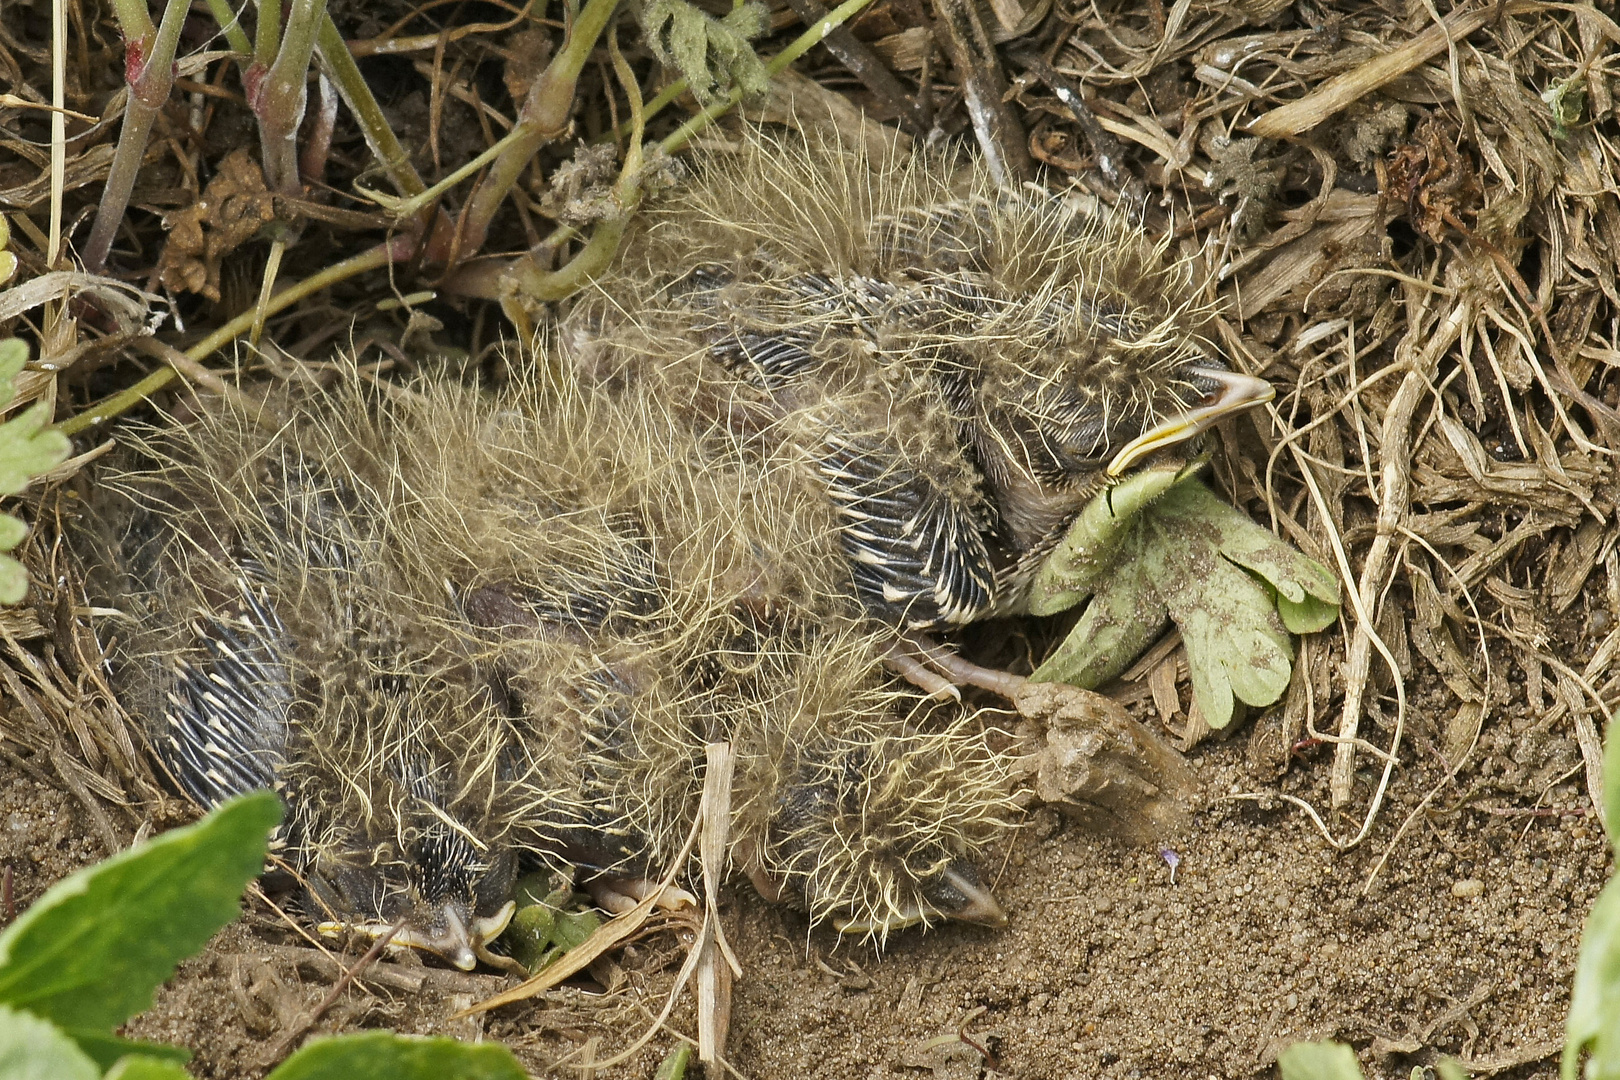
(279, 99)
(149, 74)
(777, 64)
(356, 93)
(527, 280)
(230, 23)
(543, 118)
(267, 34)
(134, 22)
(398, 249)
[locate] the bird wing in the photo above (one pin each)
(917, 554)
(228, 711)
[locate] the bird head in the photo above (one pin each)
(425, 871)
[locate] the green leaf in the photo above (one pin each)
(13, 580)
(90, 952)
(1161, 546)
(1122, 620)
(28, 448)
(146, 1067)
(1091, 548)
(673, 1067)
(712, 55)
(36, 1049)
(106, 1049)
(13, 358)
(1448, 1069)
(382, 1055)
(1594, 1001)
(1319, 1061)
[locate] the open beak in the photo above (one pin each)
(1237, 392)
(458, 943)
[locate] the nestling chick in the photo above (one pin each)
(457, 630)
(962, 368)
(272, 644)
(647, 586)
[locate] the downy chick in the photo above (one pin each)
(455, 630)
(645, 586)
(961, 368)
(272, 643)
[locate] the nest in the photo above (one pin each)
(1405, 218)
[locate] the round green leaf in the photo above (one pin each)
(90, 952)
(383, 1055)
(35, 1049)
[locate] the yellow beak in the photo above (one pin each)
(1238, 392)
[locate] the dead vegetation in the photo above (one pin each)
(1409, 214)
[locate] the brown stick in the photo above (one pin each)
(984, 88)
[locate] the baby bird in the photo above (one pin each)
(459, 632)
(271, 644)
(960, 368)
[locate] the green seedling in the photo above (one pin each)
(548, 921)
(1593, 1027)
(27, 449)
(90, 953)
(1158, 547)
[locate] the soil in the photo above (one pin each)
(1115, 962)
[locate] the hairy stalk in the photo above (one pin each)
(149, 73)
(544, 117)
(396, 250)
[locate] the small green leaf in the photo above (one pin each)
(382, 1055)
(90, 952)
(13, 358)
(146, 1067)
(1162, 546)
(712, 55)
(1122, 620)
(32, 1048)
(1319, 1061)
(1593, 1026)
(106, 1049)
(1308, 616)
(1448, 1069)
(26, 450)
(13, 580)
(12, 531)
(573, 927)
(673, 1067)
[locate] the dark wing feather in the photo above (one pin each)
(228, 712)
(918, 556)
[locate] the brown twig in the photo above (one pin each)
(282, 1045)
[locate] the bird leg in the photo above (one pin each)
(925, 663)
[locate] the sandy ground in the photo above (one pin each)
(1464, 944)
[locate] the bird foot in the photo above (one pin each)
(618, 895)
(1095, 764)
(940, 671)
